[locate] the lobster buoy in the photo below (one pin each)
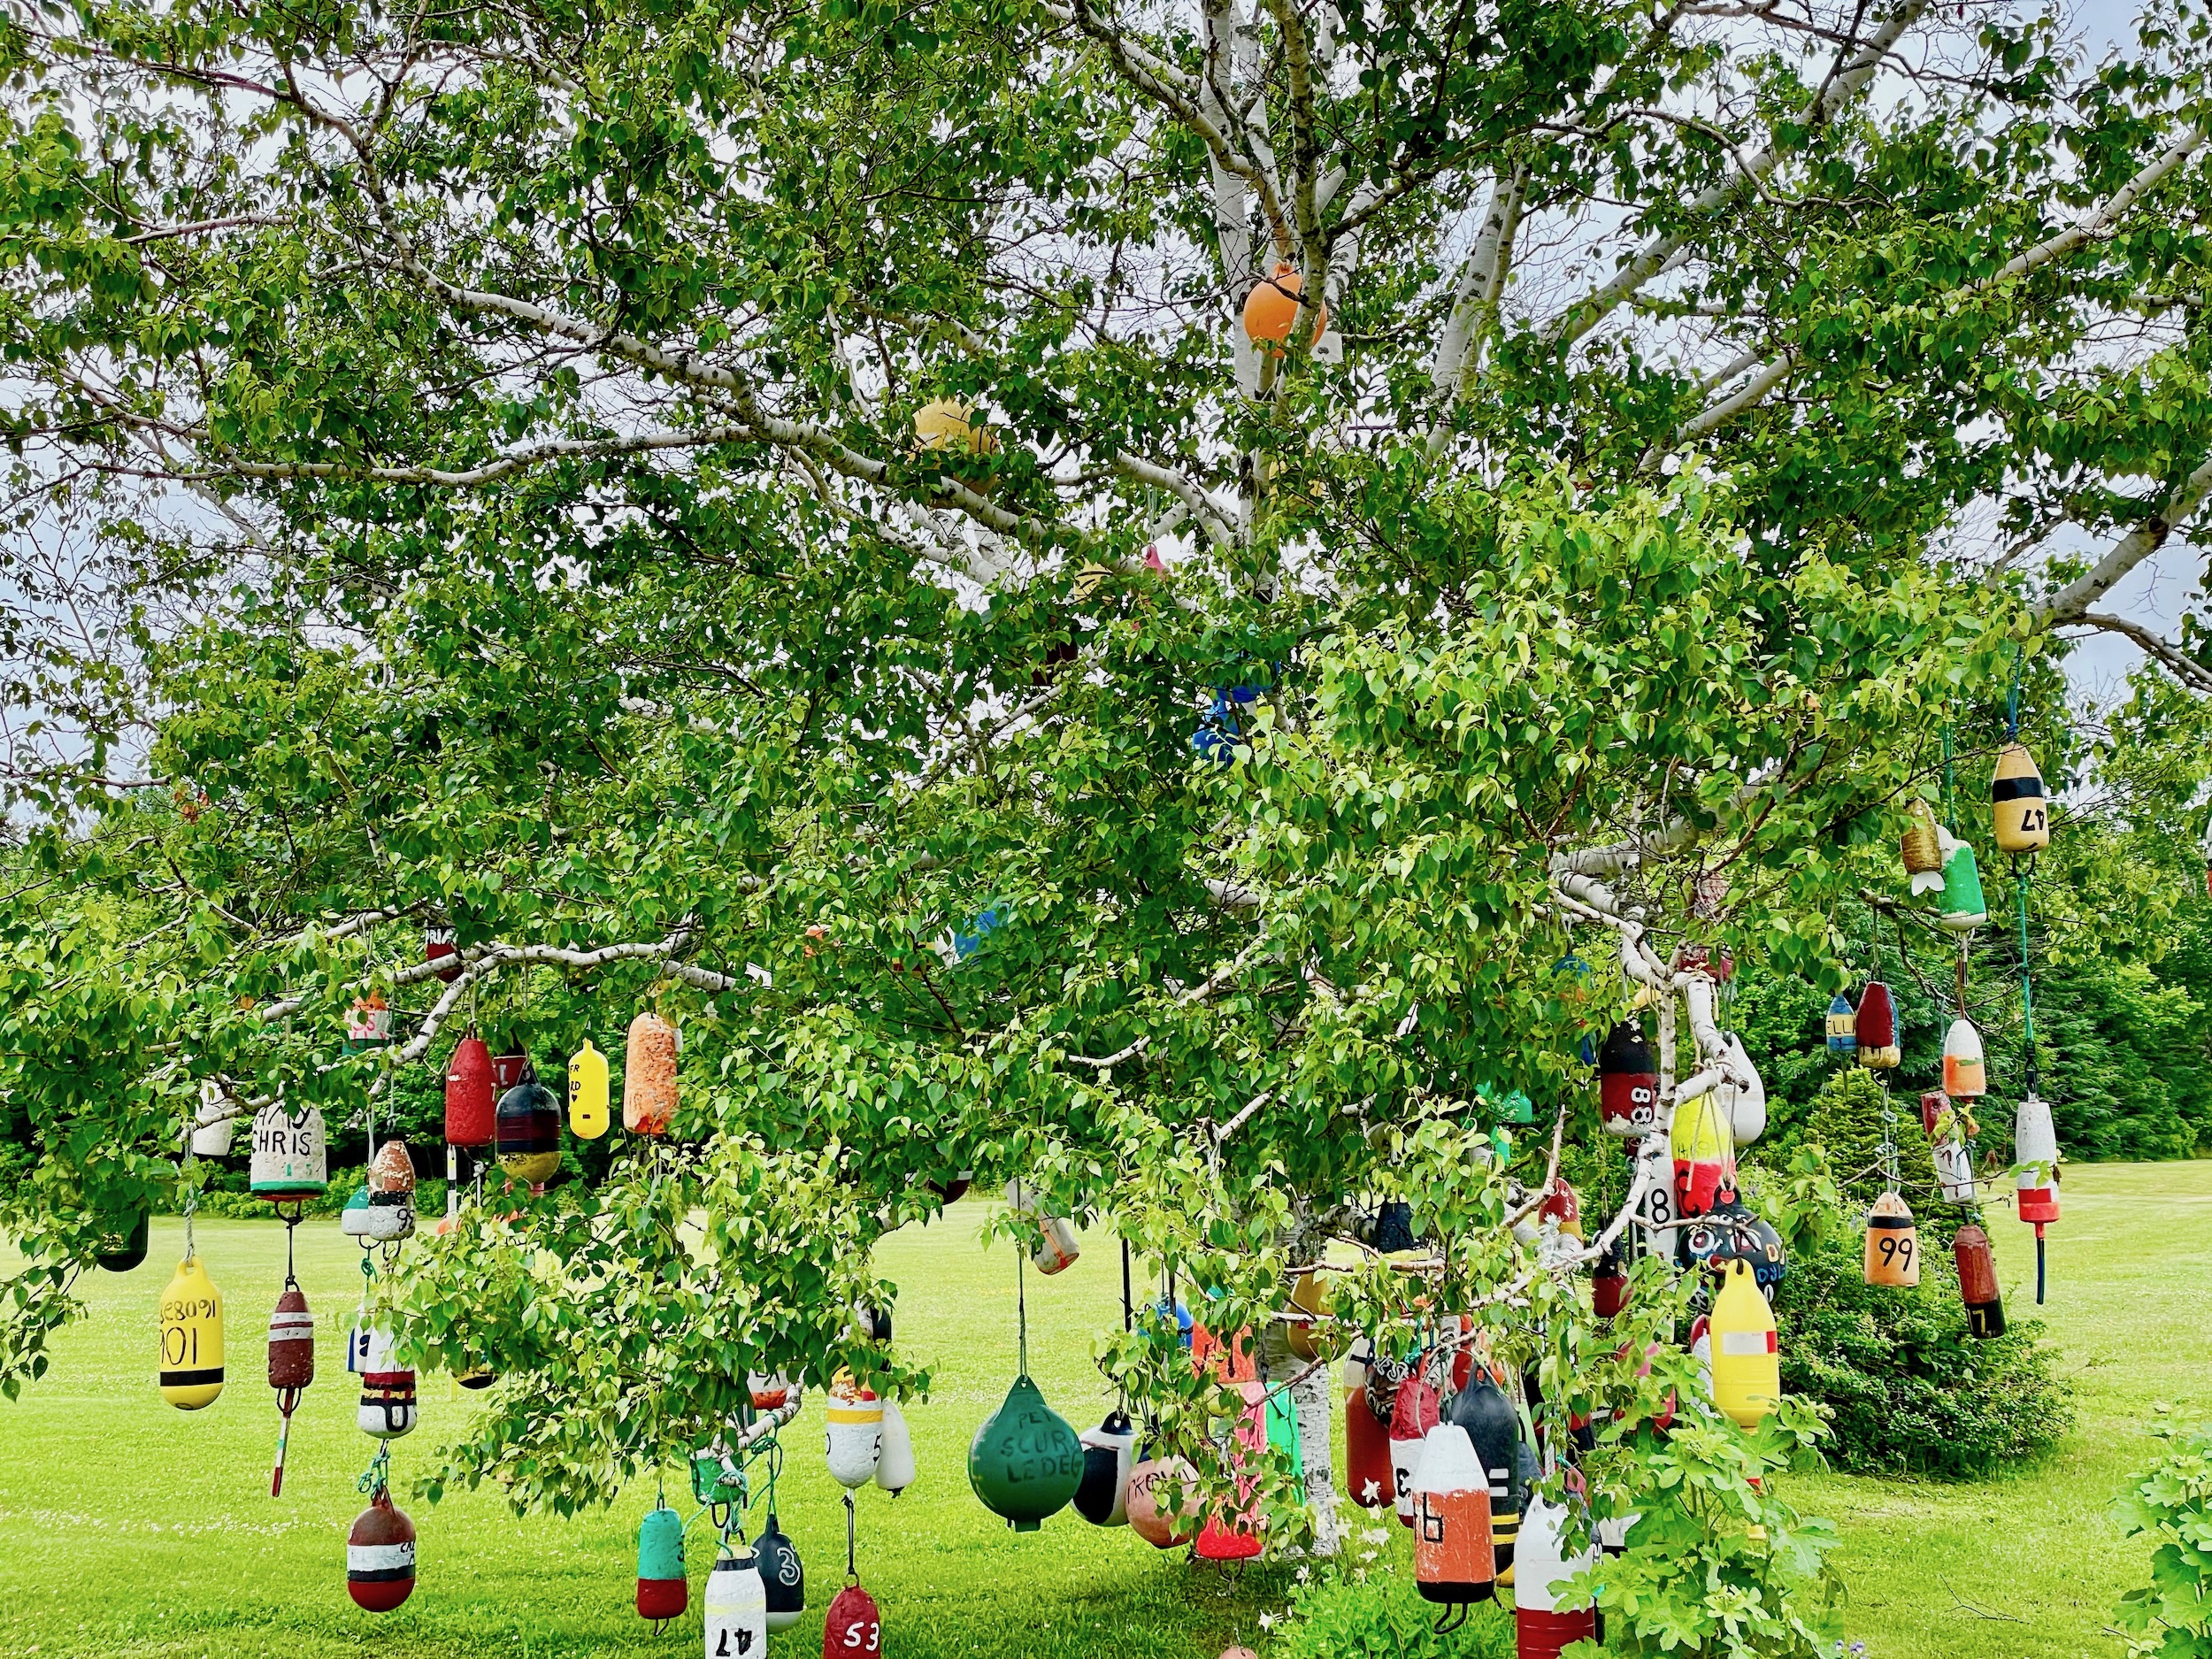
(852, 1441)
(1608, 1283)
(588, 1118)
(663, 1591)
(1391, 1234)
(1109, 1451)
(1962, 909)
(649, 1076)
(736, 1622)
(1368, 1479)
(469, 1096)
(1271, 309)
(442, 945)
(1025, 1462)
(952, 1189)
(1309, 1296)
(1704, 1154)
(1954, 1171)
(769, 1389)
(1743, 1104)
(1160, 1506)
(508, 1069)
(1747, 1360)
(1486, 1416)
(1876, 1028)
(1236, 1530)
(381, 1555)
(291, 1365)
(1843, 1026)
(2024, 822)
(1417, 1409)
(1559, 1221)
(125, 1248)
(1892, 1244)
(1058, 1248)
(214, 1123)
(1628, 1081)
(1454, 1557)
(1978, 1282)
(895, 1466)
(291, 1156)
(1965, 1073)
(944, 423)
(782, 1575)
(391, 1193)
(2035, 1173)
(191, 1372)
(528, 1131)
(388, 1390)
(1543, 1627)
(1922, 848)
(855, 1627)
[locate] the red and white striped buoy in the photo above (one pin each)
(381, 1555)
(291, 1365)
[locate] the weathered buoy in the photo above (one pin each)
(855, 1627)
(1058, 1248)
(587, 1110)
(1746, 1361)
(391, 1192)
(1962, 909)
(528, 1131)
(1481, 1411)
(1704, 1155)
(508, 1066)
(1109, 1451)
(1608, 1283)
(1744, 1105)
(1977, 1281)
(368, 1023)
(782, 1575)
(387, 1408)
(469, 1097)
(1877, 1028)
(291, 1366)
(1559, 1217)
(1025, 1462)
(1843, 1026)
(1965, 1074)
(2035, 1173)
(1161, 1507)
(1892, 1244)
(1954, 1171)
(441, 945)
(1368, 1480)
(895, 1465)
(1309, 1296)
(853, 1437)
(1271, 309)
(1236, 1528)
(1547, 1616)
(214, 1122)
(769, 1389)
(1922, 850)
(663, 1591)
(1454, 1559)
(944, 423)
(2023, 821)
(1628, 1081)
(735, 1626)
(381, 1555)
(291, 1156)
(1417, 1409)
(649, 1076)
(125, 1248)
(191, 1370)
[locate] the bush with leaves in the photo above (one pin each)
(2170, 1617)
(1357, 1613)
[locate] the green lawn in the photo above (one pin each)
(128, 1527)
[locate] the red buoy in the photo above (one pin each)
(1978, 1282)
(1609, 1284)
(381, 1555)
(1418, 1410)
(440, 945)
(469, 1099)
(1628, 1081)
(1876, 1027)
(291, 1365)
(855, 1626)
(1367, 1477)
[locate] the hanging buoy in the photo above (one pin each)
(381, 1555)
(1559, 1217)
(291, 1366)
(1965, 1075)
(1843, 1026)
(1025, 1462)
(1455, 1560)
(1978, 1282)
(1743, 1106)
(855, 1627)
(1417, 1409)
(1892, 1244)
(782, 1575)
(895, 1465)
(587, 1116)
(737, 1621)
(291, 1158)
(214, 1123)
(2035, 1173)
(1486, 1416)
(1704, 1154)
(852, 1441)
(1236, 1529)
(1391, 1234)
(528, 1131)
(1747, 1362)
(469, 1096)
(508, 1067)
(1609, 1284)
(1954, 1168)
(1160, 1506)
(769, 1389)
(125, 1247)
(1543, 1627)
(391, 1193)
(1923, 851)
(1271, 309)
(1628, 1081)
(368, 1023)
(1877, 1028)
(441, 945)
(191, 1372)
(663, 1591)
(1058, 1248)
(952, 1189)
(1368, 1479)
(388, 1390)
(1962, 907)
(944, 424)
(2024, 823)
(1109, 1453)
(1308, 1296)
(649, 1076)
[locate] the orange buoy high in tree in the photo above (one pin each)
(1271, 309)
(649, 1076)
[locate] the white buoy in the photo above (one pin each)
(895, 1465)
(736, 1623)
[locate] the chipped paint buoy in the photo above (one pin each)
(381, 1555)
(470, 1100)
(649, 1076)
(387, 1408)
(663, 1589)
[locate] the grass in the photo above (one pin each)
(126, 1527)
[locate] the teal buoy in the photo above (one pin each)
(663, 1589)
(1025, 1462)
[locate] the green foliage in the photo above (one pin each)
(2170, 1617)
(1906, 1390)
(1380, 1613)
(1852, 1118)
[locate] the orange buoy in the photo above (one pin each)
(1455, 1558)
(1271, 309)
(1965, 1073)
(649, 1076)
(2024, 820)
(1892, 1244)
(1161, 1507)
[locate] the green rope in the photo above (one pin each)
(1950, 785)
(2025, 870)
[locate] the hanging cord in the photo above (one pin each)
(1891, 1181)
(1950, 785)
(852, 1560)
(376, 1480)
(1021, 1304)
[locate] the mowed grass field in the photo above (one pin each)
(127, 1527)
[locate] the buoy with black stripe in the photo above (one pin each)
(1892, 1244)
(663, 1590)
(528, 1130)
(388, 1389)
(191, 1372)
(588, 1102)
(381, 1555)
(1628, 1081)
(291, 1366)
(2015, 793)
(1492, 1429)
(1109, 1452)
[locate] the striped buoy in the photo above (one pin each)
(1109, 1452)
(388, 1389)
(1417, 1409)
(1455, 1557)
(649, 1076)
(191, 1373)
(381, 1555)
(2015, 793)
(528, 1131)
(1483, 1413)
(852, 1441)
(1628, 1081)
(663, 1591)
(291, 1365)
(291, 1155)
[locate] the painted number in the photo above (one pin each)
(863, 1638)
(1896, 1253)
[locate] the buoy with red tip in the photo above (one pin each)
(1978, 1282)
(469, 1099)
(853, 1439)
(663, 1591)
(1455, 1558)
(1547, 1616)
(388, 1389)
(381, 1555)
(1965, 1074)
(291, 1365)
(1417, 1409)
(1704, 1148)
(855, 1627)
(2024, 822)
(191, 1370)
(1892, 1244)
(1747, 1360)
(1876, 1028)
(649, 1076)
(2035, 1173)
(1628, 1081)
(1161, 1506)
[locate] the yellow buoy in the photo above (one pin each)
(588, 1092)
(1746, 1359)
(1922, 848)
(191, 1338)
(943, 425)
(2024, 823)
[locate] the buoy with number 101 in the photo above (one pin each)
(191, 1373)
